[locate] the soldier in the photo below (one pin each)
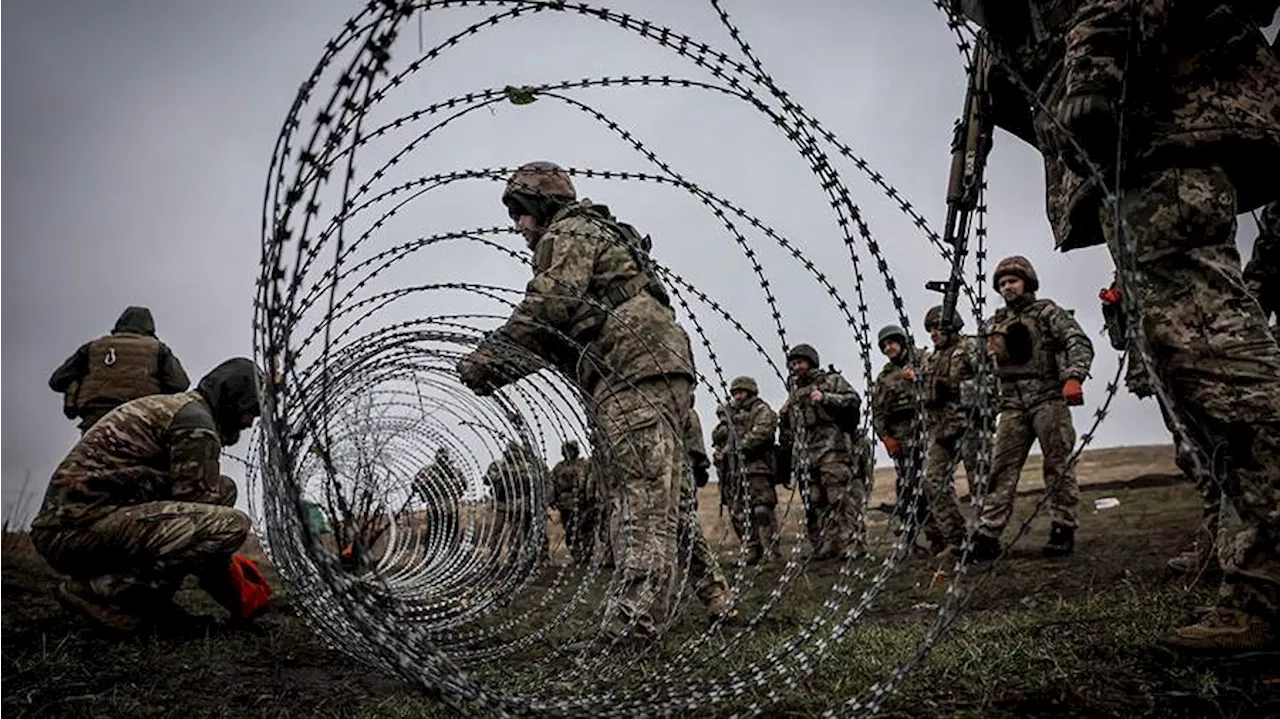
(596, 304)
(1262, 274)
(571, 496)
(107, 372)
(743, 444)
(1201, 144)
(704, 568)
(893, 417)
(822, 410)
(515, 503)
(949, 376)
(441, 487)
(139, 503)
(1041, 357)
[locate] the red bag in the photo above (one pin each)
(251, 585)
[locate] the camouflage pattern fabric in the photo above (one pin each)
(948, 372)
(1058, 350)
(893, 412)
(644, 429)
(572, 497)
(835, 497)
(1017, 429)
(748, 490)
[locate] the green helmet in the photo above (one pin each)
(1018, 266)
(806, 352)
(892, 332)
(934, 317)
(744, 383)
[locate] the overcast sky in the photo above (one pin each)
(138, 137)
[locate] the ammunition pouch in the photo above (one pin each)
(1113, 317)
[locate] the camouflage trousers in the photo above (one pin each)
(752, 512)
(1016, 430)
(834, 518)
(911, 503)
(579, 521)
(645, 469)
(704, 568)
(140, 550)
(946, 522)
(1214, 355)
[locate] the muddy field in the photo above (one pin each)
(1072, 637)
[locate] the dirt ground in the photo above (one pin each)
(1071, 637)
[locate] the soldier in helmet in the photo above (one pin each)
(572, 497)
(821, 411)
(127, 364)
(893, 417)
(597, 310)
(441, 486)
(948, 377)
(511, 479)
(1042, 357)
(139, 503)
(743, 442)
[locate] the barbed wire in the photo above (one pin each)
(439, 572)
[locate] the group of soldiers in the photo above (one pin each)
(1158, 125)
(1039, 357)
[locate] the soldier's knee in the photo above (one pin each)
(228, 528)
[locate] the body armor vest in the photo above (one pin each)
(1023, 346)
(122, 367)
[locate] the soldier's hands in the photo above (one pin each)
(892, 446)
(1091, 119)
(701, 475)
(1073, 392)
(474, 372)
(909, 374)
(815, 396)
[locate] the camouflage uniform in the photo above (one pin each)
(1037, 347)
(139, 502)
(949, 373)
(127, 364)
(704, 568)
(573, 497)
(516, 504)
(441, 486)
(596, 309)
(1202, 122)
(893, 417)
(834, 512)
(743, 441)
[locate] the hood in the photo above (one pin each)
(231, 389)
(136, 320)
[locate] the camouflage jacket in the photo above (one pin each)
(1200, 90)
(949, 374)
(826, 441)
(581, 267)
(749, 429)
(569, 481)
(163, 447)
(893, 398)
(1036, 346)
(1262, 274)
(511, 478)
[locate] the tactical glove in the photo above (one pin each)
(1091, 120)
(909, 374)
(475, 373)
(701, 475)
(1073, 392)
(892, 446)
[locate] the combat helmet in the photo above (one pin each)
(803, 351)
(1019, 266)
(744, 383)
(933, 318)
(537, 185)
(570, 449)
(889, 332)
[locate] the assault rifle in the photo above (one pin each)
(969, 147)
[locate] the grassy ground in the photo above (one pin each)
(1073, 637)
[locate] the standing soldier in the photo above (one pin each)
(1041, 357)
(893, 417)
(821, 410)
(441, 487)
(571, 497)
(743, 443)
(127, 364)
(1197, 85)
(949, 377)
(516, 506)
(596, 293)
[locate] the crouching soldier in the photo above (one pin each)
(139, 503)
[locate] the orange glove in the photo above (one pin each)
(250, 584)
(892, 446)
(1110, 295)
(1072, 392)
(909, 374)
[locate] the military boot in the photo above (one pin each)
(1201, 557)
(985, 548)
(1062, 541)
(720, 605)
(80, 597)
(1225, 630)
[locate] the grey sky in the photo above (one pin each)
(138, 136)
